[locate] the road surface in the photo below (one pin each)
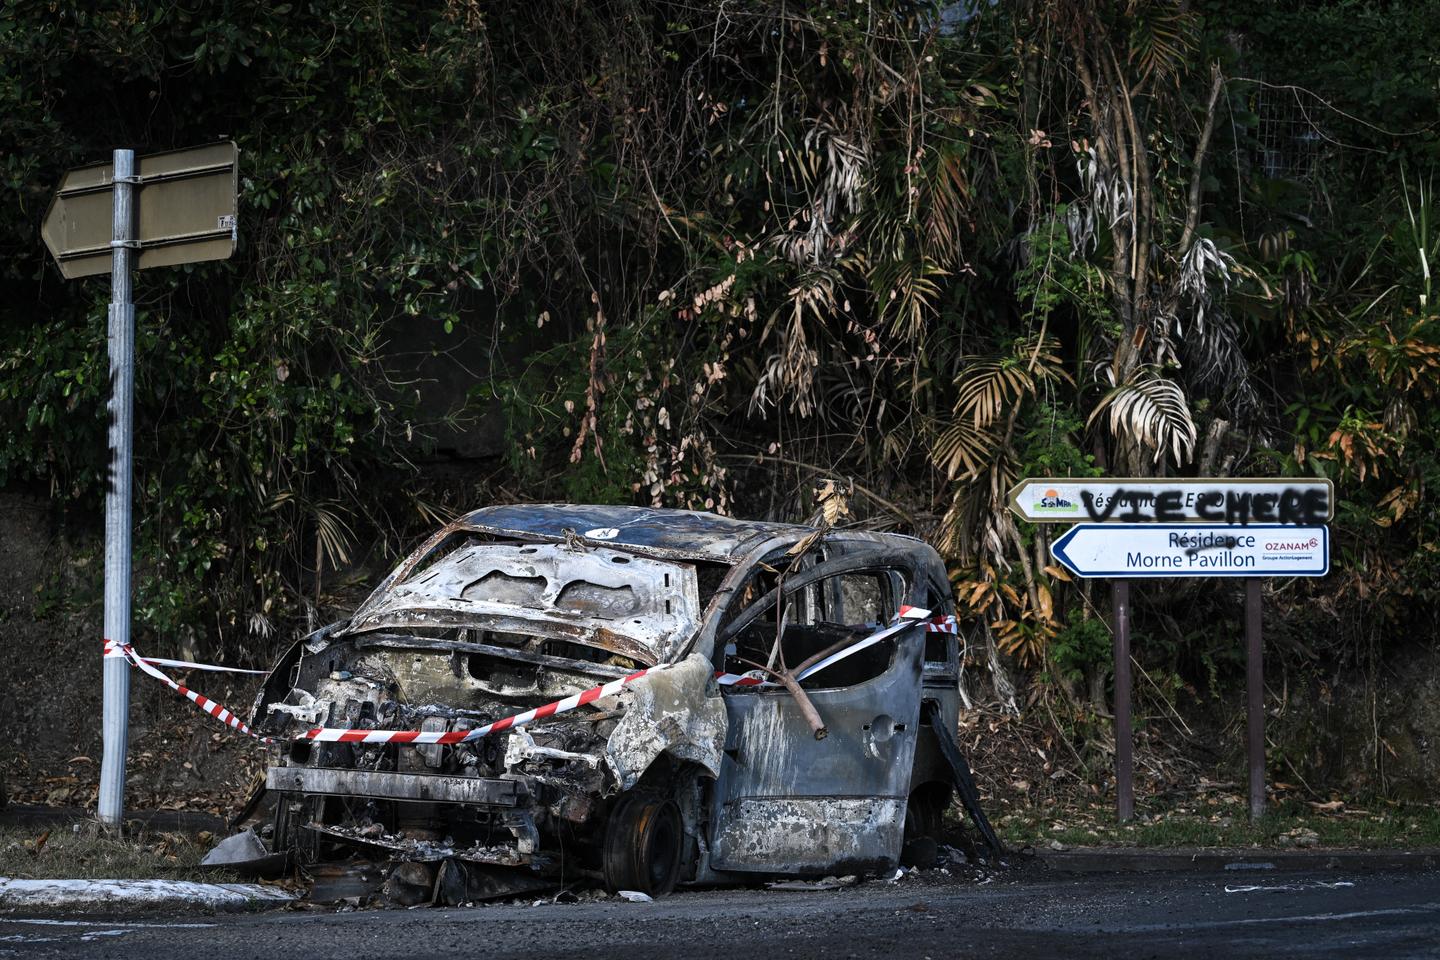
(1034, 916)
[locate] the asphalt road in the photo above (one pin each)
(1327, 914)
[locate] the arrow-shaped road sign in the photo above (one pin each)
(185, 211)
(1128, 550)
(1147, 500)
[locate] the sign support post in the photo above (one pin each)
(134, 213)
(116, 682)
(1124, 741)
(1139, 527)
(1255, 697)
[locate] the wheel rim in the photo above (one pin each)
(661, 846)
(644, 845)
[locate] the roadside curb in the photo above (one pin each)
(125, 896)
(1098, 860)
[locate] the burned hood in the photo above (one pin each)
(605, 598)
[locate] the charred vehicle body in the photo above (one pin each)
(675, 778)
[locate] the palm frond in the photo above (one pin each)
(433, 512)
(948, 190)
(1203, 267)
(992, 385)
(907, 290)
(333, 533)
(964, 450)
(1152, 411)
(1162, 35)
(790, 370)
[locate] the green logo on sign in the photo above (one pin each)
(1052, 502)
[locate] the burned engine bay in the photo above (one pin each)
(466, 632)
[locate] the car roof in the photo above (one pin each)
(683, 534)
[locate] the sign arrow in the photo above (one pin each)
(1127, 550)
(185, 203)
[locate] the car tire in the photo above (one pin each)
(644, 839)
(924, 827)
(925, 813)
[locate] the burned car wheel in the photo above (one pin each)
(924, 825)
(643, 843)
(925, 813)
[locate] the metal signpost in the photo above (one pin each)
(178, 207)
(1124, 736)
(1138, 527)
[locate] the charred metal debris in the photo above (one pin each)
(675, 779)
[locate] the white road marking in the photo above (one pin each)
(1266, 888)
(1427, 908)
(90, 935)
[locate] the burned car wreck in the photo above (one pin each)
(696, 705)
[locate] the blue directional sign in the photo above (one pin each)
(1194, 550)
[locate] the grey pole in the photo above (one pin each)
(1255, 697)
(116, 717)
(1124, 743)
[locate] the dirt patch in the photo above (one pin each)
(179, 758)
(50, 609)
(86, 851)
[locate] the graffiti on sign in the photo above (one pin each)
(1138, 500)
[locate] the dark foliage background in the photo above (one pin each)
(710, 253)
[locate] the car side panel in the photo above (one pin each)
(788, 803)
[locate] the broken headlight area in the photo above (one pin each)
(518, 798)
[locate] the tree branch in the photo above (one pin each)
(1192, 211)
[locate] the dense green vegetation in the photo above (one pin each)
(722, 250)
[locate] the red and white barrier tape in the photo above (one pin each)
(332, 735)
(112, 649)
(908, 616)
(741, 680)
(942, 624)
(217, 710)
(938, 624)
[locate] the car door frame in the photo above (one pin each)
(774, 812)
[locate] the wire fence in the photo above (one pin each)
(1289, 142)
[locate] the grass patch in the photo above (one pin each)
(1221, 823)
(86, 851)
